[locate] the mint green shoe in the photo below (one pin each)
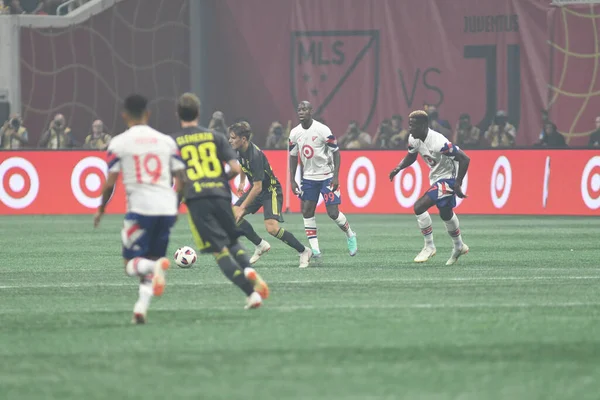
(352, 245)
(316, 254)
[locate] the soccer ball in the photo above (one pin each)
(185, 257)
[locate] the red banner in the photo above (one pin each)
(498, 182)
(368, 60)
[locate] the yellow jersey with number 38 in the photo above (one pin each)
(204, 152)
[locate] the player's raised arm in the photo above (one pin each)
(454, 152)
(293, 149)
(405, 163)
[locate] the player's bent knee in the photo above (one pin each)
(333, 212)
(446, 213)
(308, 209)
(272, 227)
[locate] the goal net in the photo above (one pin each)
(84, 65)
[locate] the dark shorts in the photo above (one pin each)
(442, 193)
(146, 235)
(312, 189)
(212, 224)
(271, 200)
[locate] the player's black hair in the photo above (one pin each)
(135, 105)
(188, 107)
(464, 116)
(241, 129)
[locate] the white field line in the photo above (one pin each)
(399, 281)
(308, 307)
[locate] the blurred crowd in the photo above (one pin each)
(39, 7)
(391, 134)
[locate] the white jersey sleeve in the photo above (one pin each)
(293, 143)
(329, 139)
(113, 159)
(176, 162)
(413, 144)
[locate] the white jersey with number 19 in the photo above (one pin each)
(316, 146)
(438, 152)
(146, 159)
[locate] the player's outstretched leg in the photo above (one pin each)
(140, 308)
(240, 255)
(234, 273)
(459, 247)
(288, 238)
(310, 226)
(425, 224)
(152, 282)
(340, 219)
(262, 246)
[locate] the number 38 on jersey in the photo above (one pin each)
(202, 162)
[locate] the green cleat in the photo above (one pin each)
(352, 245)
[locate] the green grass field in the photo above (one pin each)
(517, 318)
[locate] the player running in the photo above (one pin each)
(448, 166)
(320, 158)
(265, 192)
(147, 159)
(208, 199)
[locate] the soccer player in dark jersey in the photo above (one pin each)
(208, 199)
(265, 192)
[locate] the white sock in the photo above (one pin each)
(454, 231)
(424, 221)
(342, 222)
(145, 295)
(310, 227)
(139, 266)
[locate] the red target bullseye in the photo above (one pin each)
(91, 181)
(593, 182)
(361, 181)
(501, 182)
(17, 183)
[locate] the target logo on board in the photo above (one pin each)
(590, 183)
(20, 182)
(308, 151)
(408, 184)
(501, 182)
(87, 179)
(464, 187)
(361, 182)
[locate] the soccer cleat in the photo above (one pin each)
(425, 254)
(261, 249)
(158, 277)
(456, 253)
(260, 286)
(352, 245)
(305, 257)
(138, 319)
(253, 301)
(139, 314)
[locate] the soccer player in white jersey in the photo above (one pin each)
(448, 166)
(320, 157)
(148, 161)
